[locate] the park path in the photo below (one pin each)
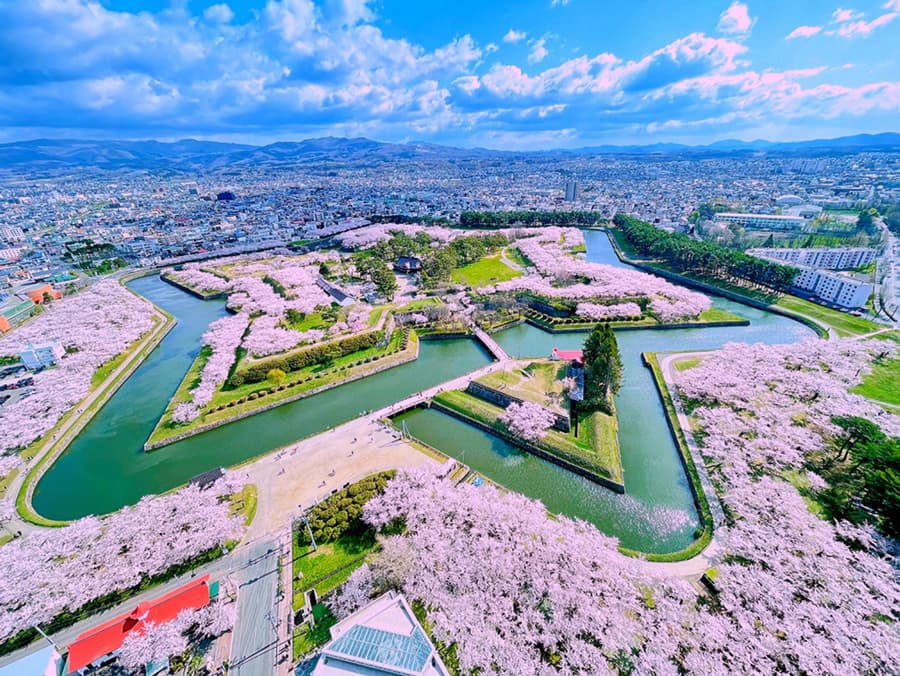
(509, 262)
(666, 366)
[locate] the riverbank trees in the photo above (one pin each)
(499, 219)
(707, 259)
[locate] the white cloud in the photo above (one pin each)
(892, 5)
(491, 47)
(513, 36)
(220, 13)
(805, 31)
(538, 51)
(736, 20)
(852, 29)
(558, 3)
(841, 15)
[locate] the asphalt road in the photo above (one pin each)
(253, 647)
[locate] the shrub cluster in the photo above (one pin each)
(404, 343)
(299, 359)
(342, 512)
(564, 321)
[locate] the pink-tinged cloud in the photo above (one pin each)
(892, 5)
(853, 29)
(841, 15)
(736, 20)
(805, 31)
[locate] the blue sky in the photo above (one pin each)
(526, 74)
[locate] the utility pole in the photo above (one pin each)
(47, 638)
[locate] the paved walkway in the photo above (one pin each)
(488, 341)
(667, 368)
(298, 475)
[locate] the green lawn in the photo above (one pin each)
(244, 503)
(307, 638)
(883, 383)
(843, 323)
(537, 381)
(515, 255)
(603, 459)
(686, 364)
(715, 314)
(314, 320)
(489, 270)
(330, 565)
(7, 480)
(420, 304)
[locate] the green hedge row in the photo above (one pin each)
(342, 512)
(404, 343)
(294, 361)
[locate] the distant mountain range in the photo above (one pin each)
(193, 155)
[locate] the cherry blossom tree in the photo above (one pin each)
(51, 570)
(527, 420)
(193, 277)
(613, 311)
(160, 642)
(94, 326)
(520, 592)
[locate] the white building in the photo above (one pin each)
(834, 287)
(761, 221)
(837, 258)
(384, 637)
(789, 200)
(804, 211)
(42, 356)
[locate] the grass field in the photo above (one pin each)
(489, 270)
(330, 564)
(883, 383)
(420, 304)
(314, 320)
(513, 254)
(714, 314)
(603, 459)
(686, 364)
(537, 381)
(844, 324)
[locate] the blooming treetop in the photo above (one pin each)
(509, 586)
(795, 596)
(195, 278)
(157, 643)
(94, 325)
(556, 269)
(527, 420)
(616, 310)
(55, 569)
(223, 337)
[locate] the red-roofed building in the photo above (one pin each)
(574, 356)
(101, 643)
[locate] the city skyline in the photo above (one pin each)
(539, 77)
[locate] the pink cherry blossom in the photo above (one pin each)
(527, 420)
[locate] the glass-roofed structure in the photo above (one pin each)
(382, 638)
